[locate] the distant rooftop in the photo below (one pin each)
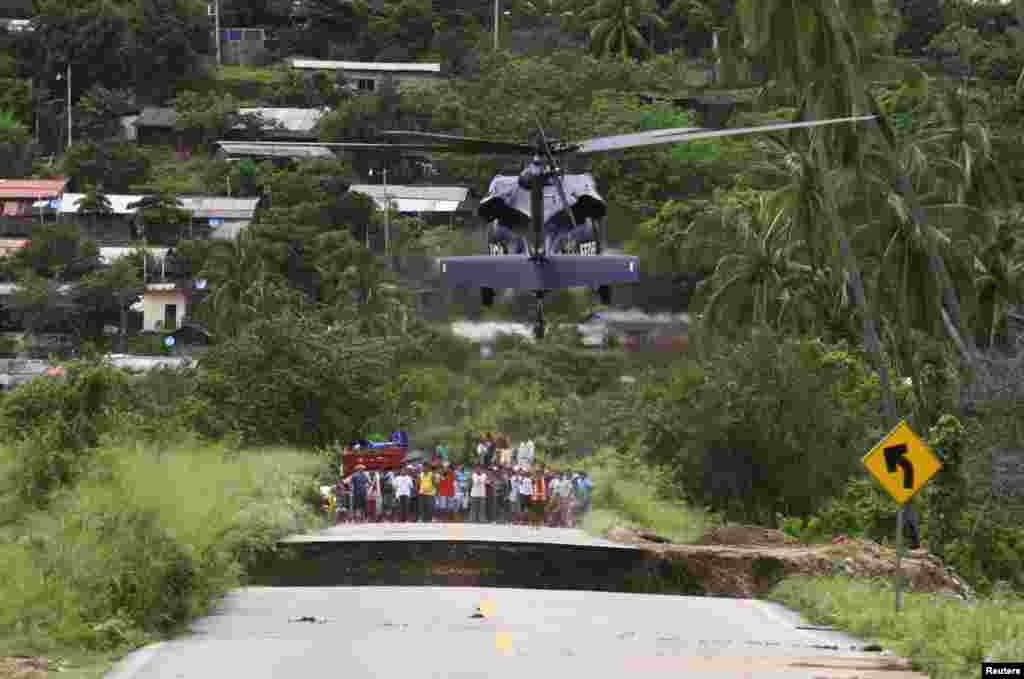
(219, 207)
(118, 203)
(383, 67)
(156, 116)
(291, 119)
(31, 188)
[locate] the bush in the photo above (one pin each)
(53, 424)
(768, 427)
(147, 541)
(292, 379)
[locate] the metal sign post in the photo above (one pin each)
(903, 464)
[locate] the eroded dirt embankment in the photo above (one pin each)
(747, 561)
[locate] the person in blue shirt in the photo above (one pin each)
(584, 492)
(463, 481)
(360, 491)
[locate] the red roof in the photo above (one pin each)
(32, 188)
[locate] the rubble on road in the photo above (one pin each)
(747, 561)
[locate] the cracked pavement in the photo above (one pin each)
(467, 632)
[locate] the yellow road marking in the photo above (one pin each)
(503, 642)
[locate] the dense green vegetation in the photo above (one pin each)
(852, 276)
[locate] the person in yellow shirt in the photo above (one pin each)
(428, 490)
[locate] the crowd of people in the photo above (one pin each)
(497, 489)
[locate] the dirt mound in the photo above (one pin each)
(750, 570)
(23, 668)
(743, 536)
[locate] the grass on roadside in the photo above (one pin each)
(626, 496)
(151, 539)
(946, 639)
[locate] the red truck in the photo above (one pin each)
(388, 456)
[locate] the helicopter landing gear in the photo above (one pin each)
(487, 297)
(538, 323)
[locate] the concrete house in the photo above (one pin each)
(366, 76)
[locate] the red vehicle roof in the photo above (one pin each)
(32, 188)
(379, 459)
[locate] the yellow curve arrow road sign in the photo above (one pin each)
(902, 463)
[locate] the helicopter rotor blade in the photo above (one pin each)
(466, 144)
(227, 144)
(622, 142)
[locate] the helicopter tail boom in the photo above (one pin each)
(521, 272)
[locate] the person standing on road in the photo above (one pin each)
(428, 491)
(403, 491)
(374, 497)
(360, 487)
(478, 495)
(565, 501)
(502, 496)
(513, 496)
(414, 497)
(554, 501)
(463, 482)
(446, 494)
(525, 497)
(481, 451)
(538, 499)
(585, 493)
(492, 491)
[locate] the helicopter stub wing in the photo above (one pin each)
(519, 272)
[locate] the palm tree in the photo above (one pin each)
(95, 202)
(239, 283)
(999, 274)
(757, 282)
(615, 26)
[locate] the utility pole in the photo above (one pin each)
(387, 215)
(496, 14)
(67, 76)
(216, 27)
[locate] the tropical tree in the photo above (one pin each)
(615, 26)
(160, 217)
(748, 285)
(999, 275)
(95, 202)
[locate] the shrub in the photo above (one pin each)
(771, 426)
(52, 425)
(148, 540)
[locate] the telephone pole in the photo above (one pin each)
(496, 14)
(216, 27)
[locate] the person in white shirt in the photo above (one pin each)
(478, 495)
(565, 501)
(481, 451)
(525, 493)
(403, 491)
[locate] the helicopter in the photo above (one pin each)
(563, 213)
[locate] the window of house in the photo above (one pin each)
(366, 84)
(233, 35)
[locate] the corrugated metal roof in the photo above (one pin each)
(153, 116)
(205, 207)
(382, 67)
(415, 198)
(292, 119)
(297, 151)
(119, 202)
(32, 188)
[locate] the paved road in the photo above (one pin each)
(455, 532)
(364, 632)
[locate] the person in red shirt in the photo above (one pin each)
(446, 494)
